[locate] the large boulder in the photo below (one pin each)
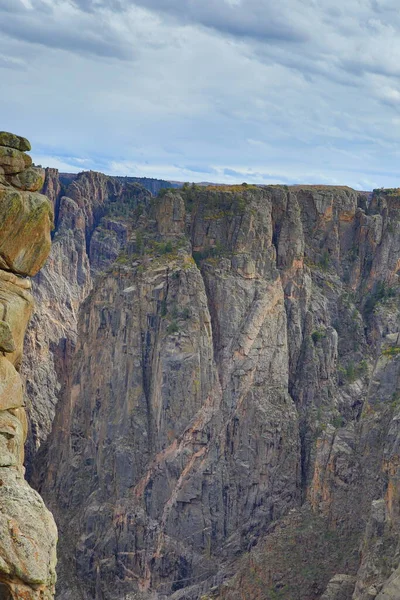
(340, 587)
(27, 537)
(11, 392)
(391, 589)
(12, 437)
(26, 220)
(30, 180)
(16, 305)
(13, 161)
(14, 141)
(7, 343)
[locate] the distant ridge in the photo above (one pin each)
(151, 184)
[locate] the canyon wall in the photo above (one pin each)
(225, 364)
(90, 232)
(28, 533)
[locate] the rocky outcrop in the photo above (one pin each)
(27, 530)
(232, 396)
(340, 587)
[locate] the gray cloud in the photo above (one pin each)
(254, 18)
(74, 33)
(11, 6)
(94, 5)
(200, 169)
(87, 42)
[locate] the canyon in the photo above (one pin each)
(213, 391)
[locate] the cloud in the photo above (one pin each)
(232, 173)
(234, 90)
(200, 169)
(254, 18)
(65, 165)
(61, 27)
(10, 62)
(11, 6)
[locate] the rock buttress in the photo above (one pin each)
(28, 534)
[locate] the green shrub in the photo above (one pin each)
(122, 259)
(392, 351)
(139, 243)
(186, 313)
(337, 421)
(351, 372)
(362, 368)
(211, 252)
(172, 328)
(380, 293)
(325, 261)
(164, 247)
(318, 335)
(395, 400)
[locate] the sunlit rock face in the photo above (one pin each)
(28, 533)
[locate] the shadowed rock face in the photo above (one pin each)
(27, 530)
(227, 424)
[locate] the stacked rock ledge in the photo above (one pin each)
(28, 534)
(26, 217)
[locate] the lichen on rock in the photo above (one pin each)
(28, 532)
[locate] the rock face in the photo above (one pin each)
(90, 233)
(226, 363)
(340, 587)
(28, 533)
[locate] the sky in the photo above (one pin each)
(262, 91)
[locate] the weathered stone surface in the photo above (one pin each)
(14, 141)
(16, 305)
(170, 215)
(27, 539)
(30, 180)
(391, 589)
(340, 587)
(7, 343)
(27, 530)
(12, 438)
(13, 161)
(26, 220)
(11, 392)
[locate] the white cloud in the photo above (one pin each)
(62, 164)
(295, 91)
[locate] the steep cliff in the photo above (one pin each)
(28, 533)
(232, 397)
(90, 232)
